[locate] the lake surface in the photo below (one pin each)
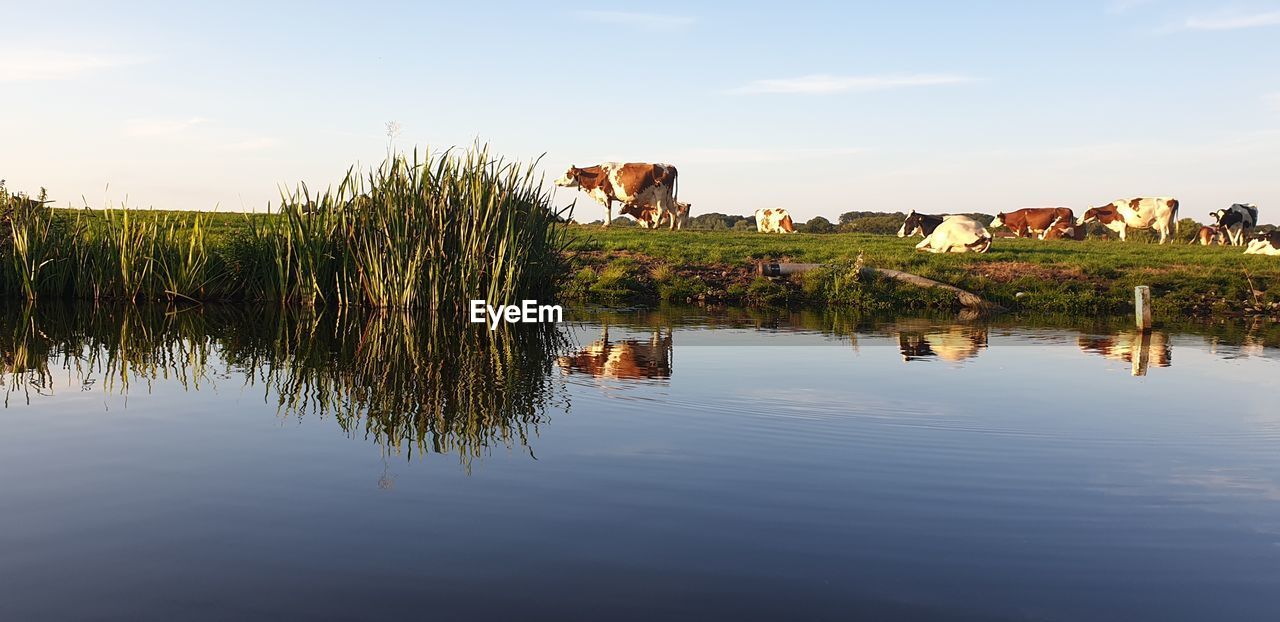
(681, 464)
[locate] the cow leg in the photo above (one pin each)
(665, 210)
(608, 213)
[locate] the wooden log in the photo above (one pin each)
(966, 298)
(1142, 307)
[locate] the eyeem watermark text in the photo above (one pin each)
(527, 312)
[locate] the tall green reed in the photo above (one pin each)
(423, 232)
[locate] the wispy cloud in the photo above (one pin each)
(1234, 21)
(162, 127)
(31, 65)
(647, 21)
(819, 84)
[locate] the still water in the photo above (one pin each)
(679, 464)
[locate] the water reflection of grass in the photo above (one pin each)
(410, 386)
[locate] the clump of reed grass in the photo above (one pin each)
(420, 232)
(428, 233)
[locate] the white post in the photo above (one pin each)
(1142, 306)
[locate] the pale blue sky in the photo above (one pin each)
(820, 108)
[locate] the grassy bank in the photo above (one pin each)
(432, 235)
(1090, 277)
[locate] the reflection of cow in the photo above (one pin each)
(950, 343)
(627, 359)
(1139, 348)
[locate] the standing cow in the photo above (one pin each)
(1140, 213)
(957, 234)
(631, 183)
(1236, 221)
(1032, 221)
(774, 220)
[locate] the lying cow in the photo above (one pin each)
(1140, 213)
(774, 220)
(1032, 221)
(1235, 221)
(1264, 243)
(1207, 236)
(956, 234)
(647, 215)
(1063, 229)
(631, 183)
(919, 224)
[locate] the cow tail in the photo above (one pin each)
(1177, 224)
(675, 185)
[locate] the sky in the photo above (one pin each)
(819, 108)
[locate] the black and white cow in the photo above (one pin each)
(919, 224)
(1264, 243)
(1236, 221)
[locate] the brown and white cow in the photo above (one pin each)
(1139, 213)
(774, 220)
(1063, 229)
(630, 183)
(647, 215)
(1031, 221)
(1208, 235)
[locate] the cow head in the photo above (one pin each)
(570, 178)
(910, 225)
(997, 222)
(1218, 216)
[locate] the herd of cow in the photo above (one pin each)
(959, 234)
(647, 192)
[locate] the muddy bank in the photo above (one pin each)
(621, 276)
